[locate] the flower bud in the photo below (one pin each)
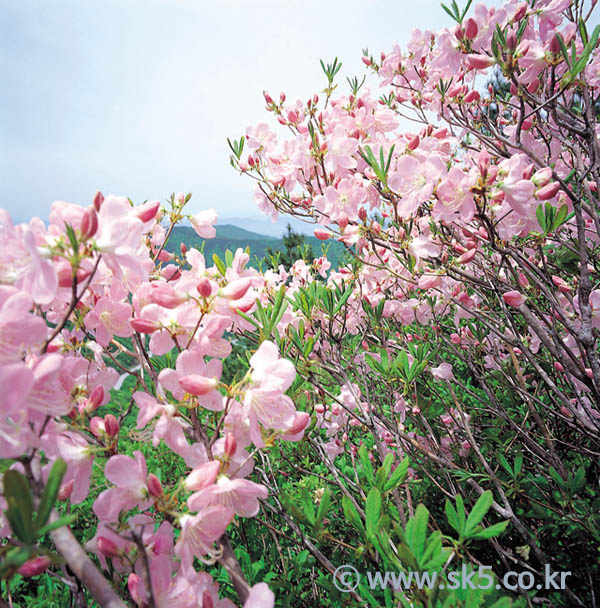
(65, 490)
(133, 586)
(111, 425)
(166, 296)
(154, 486)
(542, 177)
(414, 142)
(107, 547)
(471, 28)
(513, 298)
(207, 600)
(95, 399)
(35, 566)
(480, 62)
(236, 289)
(144, 326)
(547, 192)
(230, 446)
(362, 214)
(97, 426)
(98, 200)
(148, 211)
(202, 476)
(89, 223)
(555, 44)
(322, 234)
(183, 248)
(204, 287)
(196, 384)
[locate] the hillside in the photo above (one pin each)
(232, 237)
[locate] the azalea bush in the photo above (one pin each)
(169, 422)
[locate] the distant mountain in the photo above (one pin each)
(233, 237)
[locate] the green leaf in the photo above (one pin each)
(323, 506)
(352, 515)
(452, 517)
(491, 531)
(541, 217)
(219, 264)
(482, 506)
(398, 476)
(48, 499)
(373, 511)
(366, 463)
(416, 531)
(20, 505)
(65, 520)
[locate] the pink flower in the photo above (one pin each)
(199, 532)
(240, 494)
(443, 372)
(192, 375)
(23, 264)
(109, 318)
(260, 597)
(76, 452)
(514, 298)
(129, 475)
(203, 223)
(340, 150)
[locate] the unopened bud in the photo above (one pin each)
(35, 566)
(148, 211)
(230, 445)
(154, 486)
(65, 490)
(107, 547)
(204, 287)
(89, 223)
(98, 200)
(237, 288)
(471, 28)
(144, 326)
(95, 399)
(111, 425)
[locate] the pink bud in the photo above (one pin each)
(322, 234)
(207, 600)
(204, 288)
(95, 399)
(528, 171)
(471, 28)
(144, 326)
(362, 214)
(558, 367)
(165, 256)
(148, 211)
(35, 566)
(472, 97)
(511, 41)
(236, 289)
(98, 200)
(562, 285)
(520, 12)
(547, 192)
(267, 97)
(111, 425)
(465, 258)
(514, 298)
(107, 547)
(523, 281)
(65, 490)
(89, 223)
(480, 62)
(413, 143)
(97, 426)
(301, 421)
(202, 476)
(230, 445)
(183, 248)
(555, 45)
(154, 486)
(195, 384)
(166, 296)
(366, 61)
(542, 177)
(133, 586)
(343, 221)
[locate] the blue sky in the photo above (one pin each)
(137, 97)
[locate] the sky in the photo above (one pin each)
(137, 97)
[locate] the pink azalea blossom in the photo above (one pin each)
(240, 494)
(203, 223)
